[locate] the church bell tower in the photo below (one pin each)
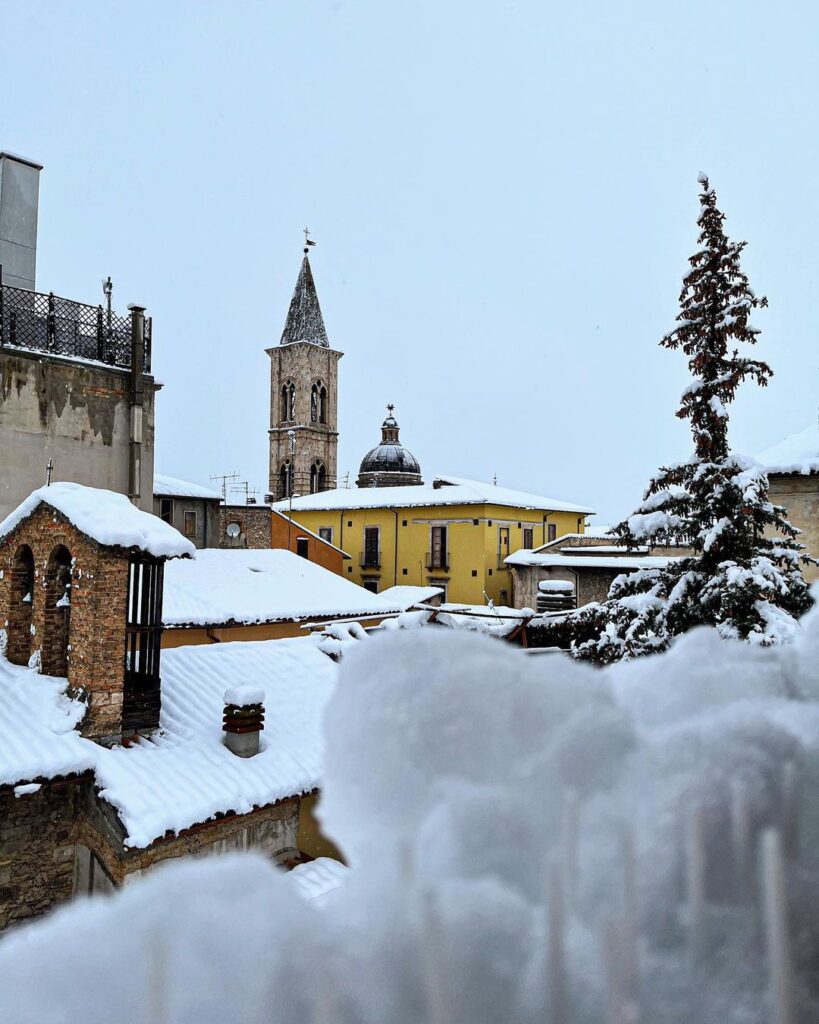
(303, 398)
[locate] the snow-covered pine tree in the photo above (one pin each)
(744, 577)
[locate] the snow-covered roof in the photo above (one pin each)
(406, 596)
(317, 879)
(525, 557)
(245, 587)
(106, 517)
(173, 487)
(452, 491)
(185, 775)
(798, 453)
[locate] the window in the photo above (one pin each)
(504, 597)
(403, 572)
(503, 545)
(438, 555)
(528, 537)
(143, 635)
(288, 402)
(403, 522)
(371, 585)
(371, 556)
(349, 522)
(314, 402)
(474, 572)
(476, 522)
(302, 547)
(326, 533)
(57, 613)
(20, 606)
(285, 480)
(552, 527)
(166, 510)
(322, 404)
(318, 477)
(443, 585)
(349, 568)
(190, 524)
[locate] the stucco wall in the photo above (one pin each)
(75, 414)
(206, 534)
(800, 495)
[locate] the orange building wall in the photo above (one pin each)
(284, 535)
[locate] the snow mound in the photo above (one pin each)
(522, 834)
(798, 453)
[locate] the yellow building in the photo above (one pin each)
(452, 533)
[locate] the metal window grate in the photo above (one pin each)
(48, 323)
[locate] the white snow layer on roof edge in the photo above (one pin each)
(249, 586)
(106, 517)
(449, 764)
(798, 453)
(455, 491)
(173, 487)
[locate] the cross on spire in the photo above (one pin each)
(308, 241)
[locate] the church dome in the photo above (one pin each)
(389, 464)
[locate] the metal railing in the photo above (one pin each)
(47, 323)
(438, 560)
(370, 559)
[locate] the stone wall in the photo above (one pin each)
(254, 523)
(95, 616)
(74, 413)
(50, 838)
(37, 835)
(800, 495)
(304, 364)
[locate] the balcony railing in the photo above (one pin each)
(438, 560)
(47, 323)
(370, 559)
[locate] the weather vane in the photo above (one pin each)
(308, 241)
(390, 408)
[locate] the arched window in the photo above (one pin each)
(314, 403)
(288, 402)
(318, 477)
(57, 613)
(322, 404)
(21, 602)
(285, 480)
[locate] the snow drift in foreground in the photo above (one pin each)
(529, 840)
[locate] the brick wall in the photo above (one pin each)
(93, 660)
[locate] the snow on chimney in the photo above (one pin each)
(243, 720)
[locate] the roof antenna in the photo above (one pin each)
(308, 241)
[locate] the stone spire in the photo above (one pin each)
(304, 320)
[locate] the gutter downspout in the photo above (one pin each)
(136, 400)
(395, 550)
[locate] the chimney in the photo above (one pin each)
(19, 197)
(243, 720)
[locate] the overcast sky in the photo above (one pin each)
(504, 197)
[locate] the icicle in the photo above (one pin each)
(695, 875)
(790, 809)
(741, 840)
(777, 939)
(569, 840)
(558, 989)
(432, 947)
(629, 954)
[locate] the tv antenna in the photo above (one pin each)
(223, 482)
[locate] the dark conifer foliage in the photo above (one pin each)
(744, 576)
